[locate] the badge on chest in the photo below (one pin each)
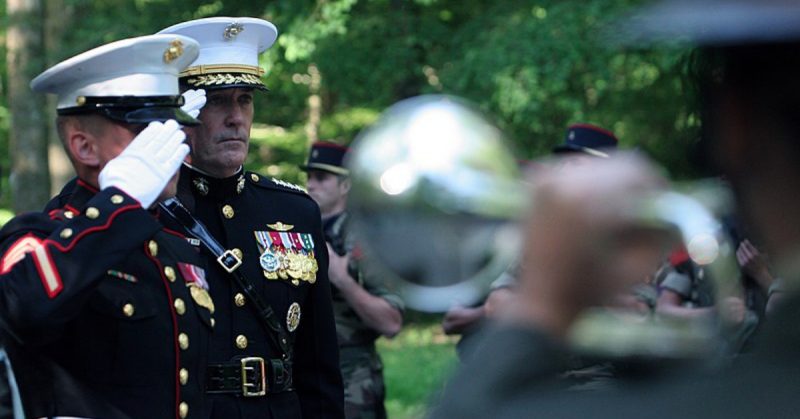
(286, 255)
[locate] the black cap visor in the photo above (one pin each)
(148, 115)
(336, 170)
(569, 148)
(134, 109)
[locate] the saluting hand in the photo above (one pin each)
(194, 100)
(147, 164)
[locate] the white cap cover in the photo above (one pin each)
(229, 50)
(125, 71)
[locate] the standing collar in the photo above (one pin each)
(81, 195)
(204, 185)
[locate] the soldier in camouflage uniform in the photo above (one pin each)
(364, 309)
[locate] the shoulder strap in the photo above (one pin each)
(230, 262)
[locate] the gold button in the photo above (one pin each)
(152, 246)
(180, 306)
(68, 214)
(238, 252)
(80, 100)
(92, 213)
(183, 410)
(241, 341)
(170, 273)
(128, 310)
(227, 211)
(117, 199)
(66, 233)
(183, 341)
(239, 299)
(213, 322)
(183, 375)
(254, 177)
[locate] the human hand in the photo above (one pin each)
(497, 300)
(148, 163)
(733, 309)
(337, 268)
(459, 319)
(194, 100)
(754, 263)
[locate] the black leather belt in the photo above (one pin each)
(249, 377)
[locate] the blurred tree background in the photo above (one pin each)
(535, 66)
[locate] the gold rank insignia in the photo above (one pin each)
(293, 317)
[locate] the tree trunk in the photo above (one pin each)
(30, 178)
(314, 105)
(59, 16)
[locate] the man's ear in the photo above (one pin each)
(82, 146)
(345, 184)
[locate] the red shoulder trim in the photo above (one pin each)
(88, 186)
(91, 229)
(174, 233)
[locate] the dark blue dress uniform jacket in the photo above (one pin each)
(234, 209)
(97, 314)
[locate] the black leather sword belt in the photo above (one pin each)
(249, 377)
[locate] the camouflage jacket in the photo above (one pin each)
(350, 329)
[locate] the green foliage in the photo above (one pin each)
(416, 365)
(535, 66)
(5, 216)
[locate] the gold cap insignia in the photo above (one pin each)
(174, 51)
(279, 226)
(232, 30)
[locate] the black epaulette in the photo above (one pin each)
(276, 184)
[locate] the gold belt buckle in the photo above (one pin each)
(255, 365)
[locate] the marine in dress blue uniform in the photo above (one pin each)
(273, 227)
(105, 313)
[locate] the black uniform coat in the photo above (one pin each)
(97, 311)
(234, 209)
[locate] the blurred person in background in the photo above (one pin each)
(745, 69)
(364, 309)
(582, 142)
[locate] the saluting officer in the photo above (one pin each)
(274, 351)
(105, 312)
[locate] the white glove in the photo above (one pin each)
(147, 164)
(193, 101)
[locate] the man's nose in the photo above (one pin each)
(235, 116)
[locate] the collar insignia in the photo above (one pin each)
(201, 184)
(240, 184)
